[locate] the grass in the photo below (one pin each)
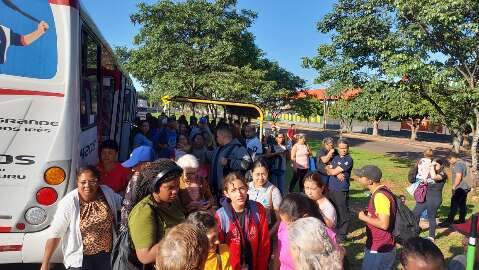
(395, 172)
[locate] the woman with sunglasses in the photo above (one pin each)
(85, 222)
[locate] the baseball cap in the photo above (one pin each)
(140, 154)
(465, 228)
(371, 172)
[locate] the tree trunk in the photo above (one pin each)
(475, 139)
(414, 129)
(465, 140)
(375, 128)
(456, 140)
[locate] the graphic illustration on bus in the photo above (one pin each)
(28, 39)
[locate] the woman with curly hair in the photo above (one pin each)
(158, 211)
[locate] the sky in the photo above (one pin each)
(285, 29)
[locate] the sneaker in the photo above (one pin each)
(430, 238)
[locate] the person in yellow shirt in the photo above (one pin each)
(218, 254)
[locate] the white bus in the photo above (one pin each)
(61, 94)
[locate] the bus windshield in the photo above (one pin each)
(28, 40)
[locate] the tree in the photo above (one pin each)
(203, 49)
(413, 109)
(433, 44)
(307, 106)
(450, 29)
(183, 47)
(353, 59)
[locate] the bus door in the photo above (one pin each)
(105, 124)
(121, 106)
(89, 95)
(126, 124)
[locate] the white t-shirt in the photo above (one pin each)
(327, 210)
(424, 168)
(264, 195)
(254, 147)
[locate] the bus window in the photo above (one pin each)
(109, 84)
(90, 81)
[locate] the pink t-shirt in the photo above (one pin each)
(302, 157)
(285, 256)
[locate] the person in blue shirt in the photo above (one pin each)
(339, 172)
(141, 138)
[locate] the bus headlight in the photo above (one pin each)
(54, 176)
(35, 216)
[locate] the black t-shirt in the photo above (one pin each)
(437, 186)
(320, 164)
(246, 252)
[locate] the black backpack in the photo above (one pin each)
(123, 256)
(245, 165)
(411, 175)
(406, 225)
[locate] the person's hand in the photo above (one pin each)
(341, 177)
(42, 27)
(223, 161)
(362, 216)
(331, 151)
(45, 266)
(206, 205)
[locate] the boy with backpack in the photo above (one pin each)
(243, 226)
(379, 217)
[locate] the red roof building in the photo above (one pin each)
(321, 94)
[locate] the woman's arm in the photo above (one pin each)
(50, 247)
(293, 153)
(328, 222)
(435, 176)
(147, 255)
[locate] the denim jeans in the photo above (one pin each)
(278, 179)
(378, 261)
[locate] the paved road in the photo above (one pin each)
(388, 148)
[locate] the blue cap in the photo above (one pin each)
(140, 154)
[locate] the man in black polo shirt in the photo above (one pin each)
(339, 174)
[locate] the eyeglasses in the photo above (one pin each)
(91, 182)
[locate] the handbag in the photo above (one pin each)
(420, 193)
(412, 188)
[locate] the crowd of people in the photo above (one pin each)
(203, 195)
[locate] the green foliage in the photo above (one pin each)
(307, 106)
(201, 48)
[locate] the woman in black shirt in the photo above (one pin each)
(433, 196)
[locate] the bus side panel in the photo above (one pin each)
(65, 147)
